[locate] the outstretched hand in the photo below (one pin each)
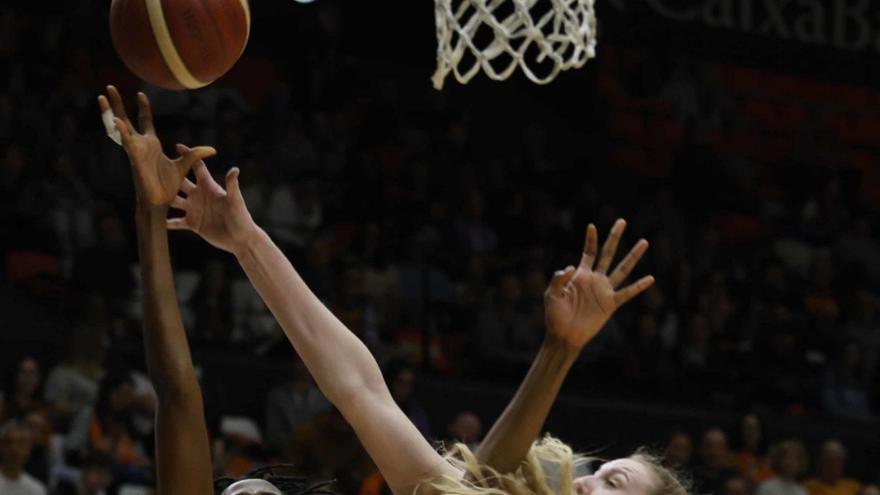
(157, 177)
(579, 301)
(219, 216)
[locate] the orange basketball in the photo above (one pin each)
(179, 44)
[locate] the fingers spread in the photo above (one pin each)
(103, 103)
(232, 186)
(194, 157)
(560, 279)
(625, 267)
(610, 246)
(187, 186)
(145, 114)
(179, 203)
(632, 290)
(591, 248)
(124, 131)
(116, 103)
(176, 224)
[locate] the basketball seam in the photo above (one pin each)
(247, 18)
(167, 49)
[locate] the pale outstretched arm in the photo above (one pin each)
(343, 367)
(183, 455)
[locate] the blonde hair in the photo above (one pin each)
(669, 482)
(548, 469)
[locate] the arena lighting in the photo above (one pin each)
(303, 1)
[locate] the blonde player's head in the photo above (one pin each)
(549, 469)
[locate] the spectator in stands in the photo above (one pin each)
(105, 267)
(65, 206)
(20, 392)
(845, 392)
(714, 464)
(789, 461)
(107, 428)
(751, 455)
(40, 462)
(401, 378)
(465, 428)
(474, 233)
(212, 303)
(95, 477)
(326, 447)
(864, 328)
(736, 485)
(15, 448)
(830, 469)
(505, 335)
(73, 384)
(870, 490)
(679, 451)
(291, 404)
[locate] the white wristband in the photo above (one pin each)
(112, 131)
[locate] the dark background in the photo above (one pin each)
(749, 162)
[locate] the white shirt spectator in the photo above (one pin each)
(779, 486)
(24, 485)
(66, 384)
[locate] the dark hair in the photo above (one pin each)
(395, 367)
(111, 381)
(10, 377)
(737, 442)
(280, 476)
(97, 460)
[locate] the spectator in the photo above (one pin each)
(73, 384)
(20, 396)
(401, 379)
(870, 490)
(292, 404)
(474, 233)
(736, 485)
(107, 428)
(212, 302)
(505, 335)
(327, 448)
(845, 392)
(105, 267)
(466, 428)
(864, 328)
(40, 462)
(679, 451)
(789, 461)
(15, 448)
(751, 456)
(830, 471)
(714, 464)
(95, 477)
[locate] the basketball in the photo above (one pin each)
(179, 44)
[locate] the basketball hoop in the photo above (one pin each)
(544, 37)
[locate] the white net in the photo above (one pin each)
(543, 37)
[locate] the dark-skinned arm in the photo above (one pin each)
(183, 454)
(577, 303)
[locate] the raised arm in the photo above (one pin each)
(577, 303)
(183, 454)
(341, 364)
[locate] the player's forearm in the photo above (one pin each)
(340, 363)
(168, 356)
(512, 435)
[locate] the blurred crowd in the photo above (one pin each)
(432, 238)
